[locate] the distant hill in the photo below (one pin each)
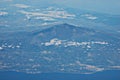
(59, 48)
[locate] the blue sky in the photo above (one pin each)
(105, 6)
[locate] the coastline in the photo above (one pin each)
(104, 75)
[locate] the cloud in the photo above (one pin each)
(3, 13)
(54, 41)
(89, 67)
(49, 14)
(21, 6)
(57, 42)
(1, 48)
(89, 16)
(115, 67)
(50, 23)
(45, 18)
(10, 46)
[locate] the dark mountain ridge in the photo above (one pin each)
(59, 48)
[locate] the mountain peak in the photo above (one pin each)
(63, 31)
(66, 24)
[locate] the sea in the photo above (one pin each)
(103, 75)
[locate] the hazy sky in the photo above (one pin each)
(106, 6)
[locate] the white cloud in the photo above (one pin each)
(115, 67)
(3, 13)
(54, 41)
(44, 24)
(21, 6)
(60, 14)
(49, 23)
(89, 67)
(49, 14)
(1, 48)
(46, 52)
(57, 42)
(45, 18)
(53, 8)
(47, 58)
(10, 46)
(89, 16)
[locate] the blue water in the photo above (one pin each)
(105, 75)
